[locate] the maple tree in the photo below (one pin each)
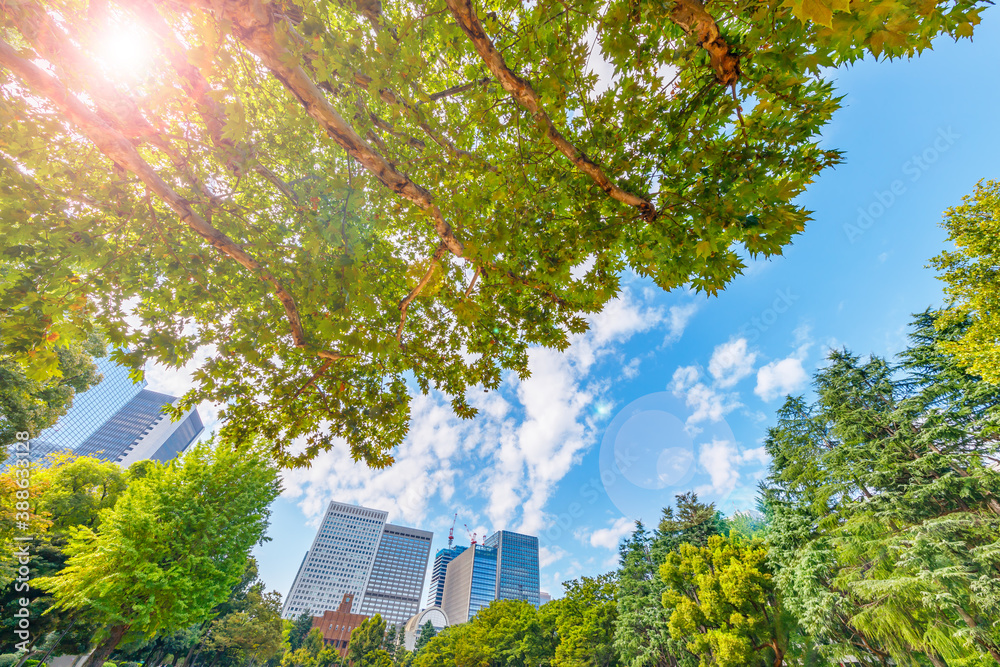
(330, 200)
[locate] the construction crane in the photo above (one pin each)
(451, 531)
(471, 534)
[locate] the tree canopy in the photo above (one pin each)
(171, 548)
(326, 199)
(883, 498)
(972, 280)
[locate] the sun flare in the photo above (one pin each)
(124, 51)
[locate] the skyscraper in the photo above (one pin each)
(470, 583)
(517, 566)
(119, 421)
(438, 572)
(93, 407)
(355, 552)
(505, 567)
(396, 582)
(142, 430)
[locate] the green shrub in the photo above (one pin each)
(9, 659)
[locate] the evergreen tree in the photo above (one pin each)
(884, 510)
(300, 628)
(425, 634)
(391, 641)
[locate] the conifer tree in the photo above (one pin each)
(885, 523)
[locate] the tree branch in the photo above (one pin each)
(253, 24)
(525, 95)
(692, 18)
(119, 149)
(457, 90)
(405, 303)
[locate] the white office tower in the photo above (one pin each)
(396, 582)
(355, 552)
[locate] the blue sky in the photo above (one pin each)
(674, 392)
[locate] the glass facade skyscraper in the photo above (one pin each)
(355, 552)
(517, 566)
(119, 421)
(93, 407)
(505, 567)
(470, 583)
(441, 560)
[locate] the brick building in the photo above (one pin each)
(337, 626)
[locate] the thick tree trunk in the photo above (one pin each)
(156, 658)
(104, 649)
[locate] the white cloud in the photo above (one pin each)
(622, 318)
(631, 369)
(781, 377)
(508, 460)
(705, 402)
(684, 378)
(721, 460)
(731, 362)
(609, 537)
(677, 320)
(549, 555)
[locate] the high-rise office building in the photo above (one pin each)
(470, 583)
(142, 430)
(119, 421)
(438, 572)
(355, 552)
(505, 567)
(517, 566)
(396, 582)
(93, 407)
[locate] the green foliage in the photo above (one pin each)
(585, 622)
(365, 648)
(76, 490)
(972, 280)
(722, 603)
(301, 626)
(454, 179)
(426, 633)
(253, 633)
(506, 632)
(884, 505)
(691, 522)
(642, 638)
(34, 395)
(174, 544)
